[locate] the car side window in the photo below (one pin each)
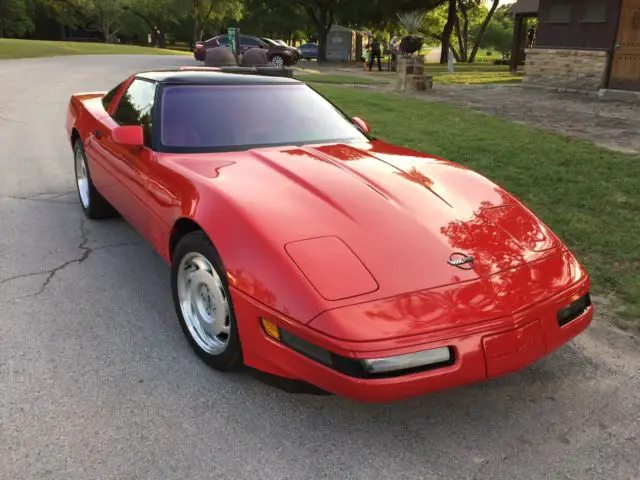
(224, 40)
(248, 41)
(136, 107)
(109, 96)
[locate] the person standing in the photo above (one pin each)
(376, 53)
(366, 57)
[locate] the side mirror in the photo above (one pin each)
(361, 124)
(130, 135)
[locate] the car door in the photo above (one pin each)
(97, 156)
(130, 166)
(222, 41)
(247, 42)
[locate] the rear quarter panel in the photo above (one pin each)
(79, 111)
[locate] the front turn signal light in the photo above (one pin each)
(270, 329)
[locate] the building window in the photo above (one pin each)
(560, 12)
(595, 11)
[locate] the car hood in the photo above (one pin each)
(280, 48)
(363, 222)
(371, 220)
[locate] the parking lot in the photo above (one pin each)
(98, 381)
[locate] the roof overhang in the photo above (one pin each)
(525, 7)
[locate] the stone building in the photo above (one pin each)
(582, 45)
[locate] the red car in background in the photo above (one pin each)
(304, 247)
(279, 56)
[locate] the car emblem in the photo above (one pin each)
(461, 260)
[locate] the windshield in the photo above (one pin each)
(210, 118)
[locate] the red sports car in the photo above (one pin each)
(306, 248)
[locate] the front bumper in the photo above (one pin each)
(486, 351)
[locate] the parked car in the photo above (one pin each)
(309, 51)
(278, 55)
(302, 246)
(282, 43)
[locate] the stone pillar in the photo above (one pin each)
(411, 74)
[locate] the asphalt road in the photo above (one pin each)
(97, 381)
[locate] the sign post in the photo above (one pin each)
(234, 42)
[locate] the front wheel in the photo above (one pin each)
(203, 303)
(277, 61)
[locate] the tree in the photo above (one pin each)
(14, 18)
(483, 29)
(107, 15)
(379, 14)
(158, 15)
(499, 32)
(322, 15)
(469, 13)
(205, 11)
(357, 13)
(276, 18)
(452, 18)
(65, 13)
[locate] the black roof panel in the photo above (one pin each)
(243, 77)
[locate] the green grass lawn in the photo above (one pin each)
(340, 79)
(463, 74)
(475, 73)
(465, 67)
(588, 195)
(14, 48)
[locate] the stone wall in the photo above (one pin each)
(566, 70)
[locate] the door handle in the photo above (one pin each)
(99, 134)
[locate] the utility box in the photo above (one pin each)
(341, 44)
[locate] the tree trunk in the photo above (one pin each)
(448, 29)
(200, 22)
(463, 53)
(483, 29)
(464, 48)
(455, 54)
(322, 46)
(162, 38)
(323, 22)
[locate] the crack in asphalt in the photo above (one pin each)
(36, 197)
(85, 254)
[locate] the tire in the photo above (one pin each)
(277, 61)
(93, 204)
(213, 337)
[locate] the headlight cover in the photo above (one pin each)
(385, 367)
(409, 361)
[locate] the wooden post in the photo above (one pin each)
(518, 28)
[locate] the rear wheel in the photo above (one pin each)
(203, 303)
(93, 204)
